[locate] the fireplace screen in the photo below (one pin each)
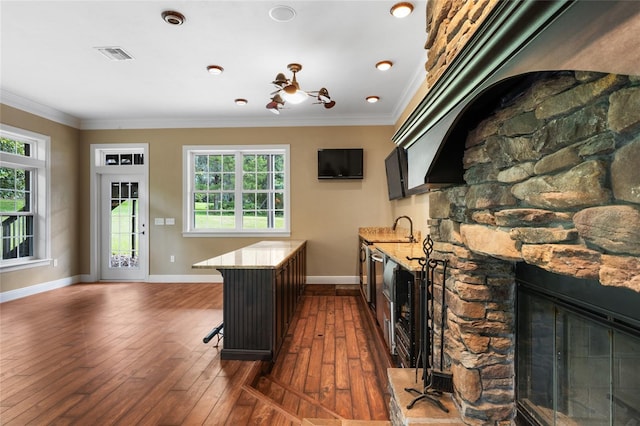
(574, 366)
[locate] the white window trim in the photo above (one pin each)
(187, 218)
(39, 163)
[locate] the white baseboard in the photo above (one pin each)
(184, 279)
(328, 279)
(19, 293)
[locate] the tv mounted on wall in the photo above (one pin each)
(340, 163)
(396, 166)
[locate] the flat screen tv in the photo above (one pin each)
(340, 163)
(396, 166)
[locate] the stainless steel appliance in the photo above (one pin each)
(365, 273)
(377, 269)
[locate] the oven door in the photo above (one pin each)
(377, 265)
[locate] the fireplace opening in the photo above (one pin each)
(577, 351)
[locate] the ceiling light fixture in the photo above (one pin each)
(276, 104)
(401, 10)
(215, 69)
(241, 101)
(289, 91)
(172, 17)
(372, 99)
(384, 65)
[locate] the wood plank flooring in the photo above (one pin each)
(132, 354)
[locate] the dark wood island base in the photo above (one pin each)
(262, 284)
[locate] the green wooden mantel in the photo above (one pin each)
(507, 30)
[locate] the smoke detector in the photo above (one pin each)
(282, 13)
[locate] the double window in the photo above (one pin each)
(23, 197)
(236, 190)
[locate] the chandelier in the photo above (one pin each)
(289, 91)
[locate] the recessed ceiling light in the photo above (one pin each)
(384, 65)
(172, 17)
(215, 69)
(400, 10)
(282, 13)
(372, 99)
(241, 101)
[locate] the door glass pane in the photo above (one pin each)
(125, 233)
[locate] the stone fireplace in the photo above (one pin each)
(531, 160)
(551, 180)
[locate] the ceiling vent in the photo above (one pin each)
(114, 53)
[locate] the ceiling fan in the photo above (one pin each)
(289, 91)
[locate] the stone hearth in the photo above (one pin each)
(551, 179)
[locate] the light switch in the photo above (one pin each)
(158, 221)
(170, 220)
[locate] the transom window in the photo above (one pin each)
(237, 190)
(23, 189)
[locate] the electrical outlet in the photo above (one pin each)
(172, 258)
(55, 263)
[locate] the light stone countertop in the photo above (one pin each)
(261, 255)
(399, 252)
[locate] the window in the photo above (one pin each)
(23, 197)
(231, 190)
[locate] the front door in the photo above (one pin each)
(124, 248)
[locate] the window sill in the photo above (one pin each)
(17, 265)
(281, 234)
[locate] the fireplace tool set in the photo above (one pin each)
(435, 381)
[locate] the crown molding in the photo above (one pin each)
(16, 101)
(156, 123)
(27, 105)
(409, 92)
(32, 107)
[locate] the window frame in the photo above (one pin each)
(188, 153)
(38, 163)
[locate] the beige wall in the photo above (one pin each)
(65, 196)
(417, 208)
(325, 213)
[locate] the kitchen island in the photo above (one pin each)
(262, 284)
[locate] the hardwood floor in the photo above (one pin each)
(132, 354)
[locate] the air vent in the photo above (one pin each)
(114, 53)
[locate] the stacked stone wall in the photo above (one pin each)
(553, 180)
(450, 25)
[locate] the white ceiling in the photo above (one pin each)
(48, 61)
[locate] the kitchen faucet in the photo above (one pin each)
(410, 236)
